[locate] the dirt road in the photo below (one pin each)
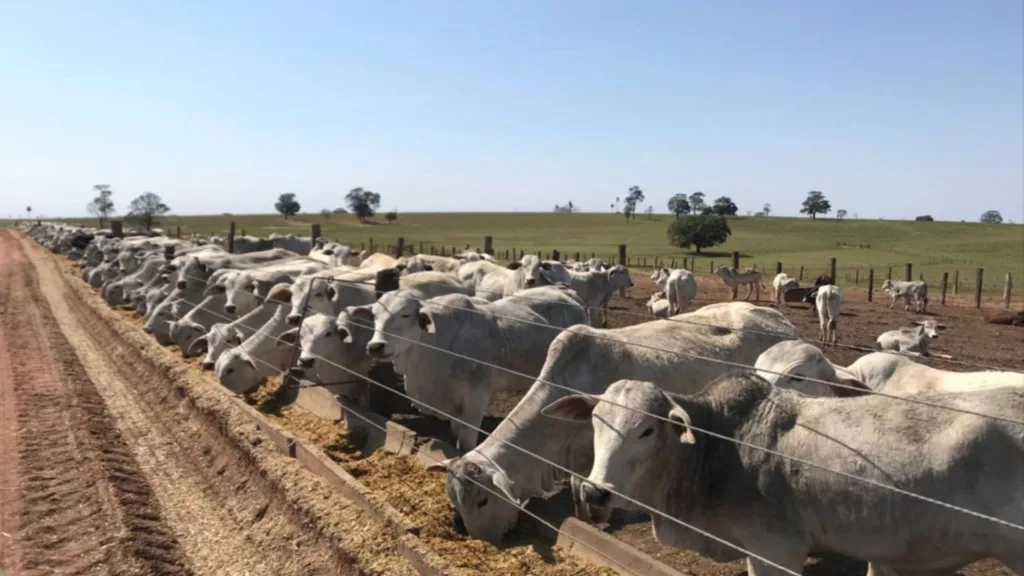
(103, 471)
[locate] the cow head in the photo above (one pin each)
(929, 328)
(396, 325)
(483, 494)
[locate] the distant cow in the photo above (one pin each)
(811, 296)
(658, 305)
(916, 291)
(680, 287)
(734, 278)
(781, 284)
(911, 339)
(829, 302)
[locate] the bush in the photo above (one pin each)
(702, 231)
(925, 218)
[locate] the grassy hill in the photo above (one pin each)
(933, 247)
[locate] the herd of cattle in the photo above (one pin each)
(791, 456)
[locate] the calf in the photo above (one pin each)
(651, 453)
(733, 278)
(916, 291)
(829, 302)
(910, 339)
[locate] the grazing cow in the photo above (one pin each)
(914, 339)
(829, 302)
(658, 306)
(512, 333)
(243, 368)
(781, 284)
(649, 447)
(596, 289)
(893, 374)
(680, 287)
(811, 296)
(588, 360)
(916, 291)
(793, 364)
(333, 351)
(221, 337)
(247, 289)
(734, 278)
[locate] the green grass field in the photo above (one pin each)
(932, 247)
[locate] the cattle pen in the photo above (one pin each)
(334, 440)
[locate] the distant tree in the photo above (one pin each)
(617, 200)
(925, 218)
(840, 214)
(339, 211)
(750, 213)
(697, 202)
(326, 213)
(701, 231)
(391, 216)
(287, 204)
(816, 204)
(759, 214)
(992, 217)
(29, 210)
(767, 209)
(707, 210)
(635, 196)
(724, 206)
(567, 209)
(650, 212)
(147, 209)
(363, 203)
(678, 205)
(101, 206)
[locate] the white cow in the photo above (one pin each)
(589, 359)
(781, 284)
(745, 277)
(916, 291)
(333, 350)
(596, 289)
(658, 305)
(680, 287)
(914, 339)
(795, 364)
(512, 333)
(894, 374)
(650, 447)
(829, 302)
(243, 368)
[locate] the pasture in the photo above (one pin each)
(932, 247)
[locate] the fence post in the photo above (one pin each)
(910, 272)
(890, 273)
(622, 254)
(231, 238)
(871, 283)
(371, 246)
(977, 287)
(1006, 291)
(314, 232)
(169, 252)
(489, 245)
(832, 269)
(115, 229)
(956, 282)
(856, 277)
(735, 266)
(177, 231)
(801, 273)
(945, 284)
(778, 267)
(400, 249)
(556, 256)
(711, 266)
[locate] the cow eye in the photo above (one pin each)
(229, 371)
(481, 503)
(327, 334)
(646, 433)
(405, 315)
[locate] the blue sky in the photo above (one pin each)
(892, 108)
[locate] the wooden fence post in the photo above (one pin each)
(231, 238)
(945, 284)
(556, 256)
(711, 266)
(400, 248)
(890, 273)
(1006, 291)
(801, 273)
(371, 246)
(489, 245)
(910, 272)
(856, 277)
(314, 232)
(177, 232)
(778, 267)
(169, 252)
(832, 269)
(116, 230)
(956, 282)
(622, 254)
(871, 283)
(977, 287)
(736, 266)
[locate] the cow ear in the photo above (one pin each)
(501, 482)
(441, 466)
(214, 289)
(280, 293)
(847, 378)
(199, 345)
(545, 265)
(514, 265)
(682, 420)
(290, 337)
(361, 313)
(575, 408)
(345, 335)
(427, 324)
(400, 267)
(428, 267)
(238, 338)
(331, 292)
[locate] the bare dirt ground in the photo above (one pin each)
(106, 469)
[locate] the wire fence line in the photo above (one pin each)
(565, 470)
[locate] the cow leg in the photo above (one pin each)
(472, 413)
(788, 555)
(893, 305)
(750, 288)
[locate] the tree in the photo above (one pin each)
(701, 231)
(29, 210)
(697, 202)
(816, 204)
(363, 203)
(339, 211)
(635, 196)
(287, 204)
(650, 212)
(767, 209)
(992, 217)
(391, 216)
(147, 209)
(101, 206)
(840, 214)
(678, 205)
(925, 218)
(326, 213)
(724, 206)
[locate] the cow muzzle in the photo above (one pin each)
(293, 319)
(595, 495)
(305, 362)
(181, 284)
(377, 349)
(207, 365)
(230, 308)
